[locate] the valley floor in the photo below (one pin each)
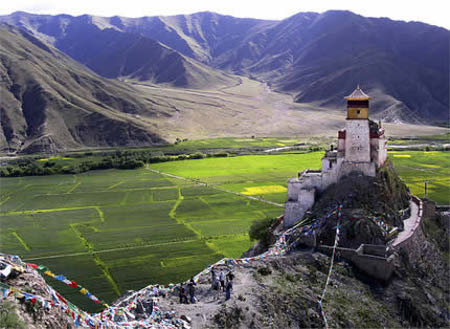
(251, 108)
(115, 230)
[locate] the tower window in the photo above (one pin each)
(358, 112)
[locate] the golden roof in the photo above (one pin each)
(358, 95)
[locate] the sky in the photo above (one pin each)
(430, 11)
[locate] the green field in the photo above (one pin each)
(415, 167)
(263, 176)
(258, 175)
(115, 230)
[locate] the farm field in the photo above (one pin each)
(416, 167)
(115, 230)
(265, 176)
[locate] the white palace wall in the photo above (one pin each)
(357, 141)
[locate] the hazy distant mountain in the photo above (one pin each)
(113, 53)
(318, 58)
(50, 102)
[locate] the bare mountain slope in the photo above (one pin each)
(49, 102)
(112, 52)
(315, 57)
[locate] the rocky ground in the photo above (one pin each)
(370, 204)
(283, 293)
(26, 314)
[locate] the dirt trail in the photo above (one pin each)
(209, 301)
(214, 187)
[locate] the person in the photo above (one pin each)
(215, 281)
(148, 305)
(228, 290)
(185, 299)
(222, 280)
(182, 294)
(191, 288)
(230, 275)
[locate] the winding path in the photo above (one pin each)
(410, 224)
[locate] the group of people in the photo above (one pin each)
(219, 281)
(225, 282)
(184, 290)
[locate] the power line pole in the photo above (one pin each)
(426, 187)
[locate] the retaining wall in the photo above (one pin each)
(378, 267)
(374, 260)
(414, 232)
(378, 260)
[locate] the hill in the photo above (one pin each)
(50, 102)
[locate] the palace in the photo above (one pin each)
(362, 147)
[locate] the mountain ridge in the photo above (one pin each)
(119, 54)
(50, 102)
(314, 57)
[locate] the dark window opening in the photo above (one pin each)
(358, 112)
(358, 104)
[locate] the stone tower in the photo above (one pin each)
(362, 148)
(357, 139)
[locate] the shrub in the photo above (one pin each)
(220, 155)
(261, 231)
(197, 155)
(9, 317)
(264, 271)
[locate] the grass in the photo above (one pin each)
(8, 316)
(231, 142)
(263, 176)
(416, 167)
(115, 230)
(442, 138)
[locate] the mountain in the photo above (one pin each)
(405, 66)
(316, 58)
(113, 53)
(50, 102)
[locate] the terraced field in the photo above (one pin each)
(262, 176)
(265, 176)
(115, 230)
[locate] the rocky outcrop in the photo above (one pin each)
(28, 312)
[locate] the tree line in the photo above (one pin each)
(118, 160)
